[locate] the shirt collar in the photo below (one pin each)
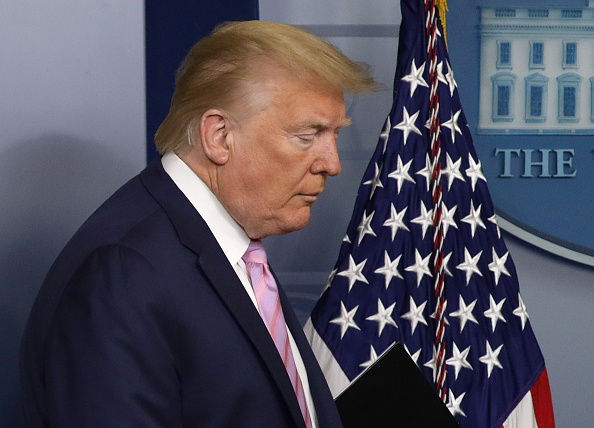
(228, 233)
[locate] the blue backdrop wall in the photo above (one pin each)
(171, 29)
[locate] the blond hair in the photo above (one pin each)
(215, 72)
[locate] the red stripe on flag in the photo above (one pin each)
(541, 399)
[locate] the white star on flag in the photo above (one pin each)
(345, 320)
(474, 172)
(447, 218)
(415, 356)
(396, 222)
(420, 267)
(389, 269)
(371, 360)
(427, 170)
(494, 312)
(415, 78)
(440, 76)
(497, 266)
(330, 279)
(459, 360)
(425, 219)
(415, 314)
(444, 308)
(354, 273)
(452, 170)
(464, 313)
(453, 126)
(400, 174)
(474, 219)
(428, 123)
(446, 261)
(376, 181)
(470, 265)
(451, 81)
(432, 364)
(383, 317)
(520, 311)
(365, 227)
(493, 219)
(408, 124)
(454, 403)
(385, 135)
(491, 358)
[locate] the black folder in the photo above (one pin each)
(393, 393)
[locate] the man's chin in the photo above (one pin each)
(294, 224)
(280, 225)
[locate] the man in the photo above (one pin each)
(148, 317)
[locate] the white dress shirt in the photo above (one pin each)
(231, 237)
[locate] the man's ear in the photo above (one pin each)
(214, 134)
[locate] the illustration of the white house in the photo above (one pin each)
(537, 70)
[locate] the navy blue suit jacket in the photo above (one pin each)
(142, 322)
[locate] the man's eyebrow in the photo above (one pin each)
(322, 127)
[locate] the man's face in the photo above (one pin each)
(280, 157)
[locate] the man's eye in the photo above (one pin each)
(306, 137)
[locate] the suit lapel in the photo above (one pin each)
(195, 234)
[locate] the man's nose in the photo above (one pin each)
(327, 162)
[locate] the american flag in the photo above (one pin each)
(423, 261)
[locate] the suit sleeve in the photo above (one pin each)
(110, 352)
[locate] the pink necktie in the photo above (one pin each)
(266, 292)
